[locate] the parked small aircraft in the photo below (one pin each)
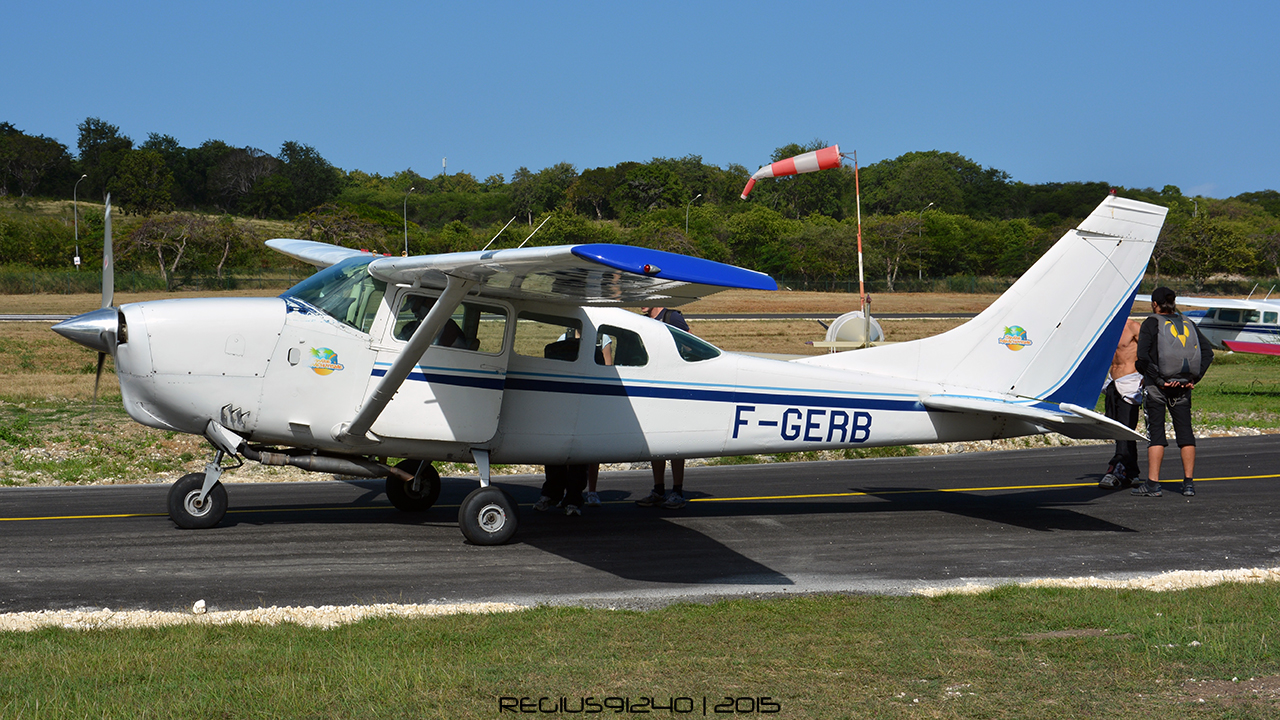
(497, 356)
(1245, 326)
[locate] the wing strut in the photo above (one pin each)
(357, 430)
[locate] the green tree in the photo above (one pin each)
(892, 240)
(102, 148)
(201, 166)
(1203, 246)
(312, 180)
(649, 186)
(340, 225)
(143, 183)
(592, 190)
(237, 171)
(758, 239)
(27, 159)
(272, 196)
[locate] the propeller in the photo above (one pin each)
(108, 290)
(98, 329)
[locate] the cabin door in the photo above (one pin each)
(454, 394)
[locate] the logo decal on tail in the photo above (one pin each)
(1015, 338)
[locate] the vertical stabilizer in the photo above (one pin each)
(1052, 334)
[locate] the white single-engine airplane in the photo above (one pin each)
(497, 356)
(1244, 326)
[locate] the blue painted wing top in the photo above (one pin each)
(592, 274)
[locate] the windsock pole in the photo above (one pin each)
(862, 293)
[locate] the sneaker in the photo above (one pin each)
(543, 504)
(1109, 481)
(593, 499)
(653, 498)
(1188, 488)
(673, 501)
(572, 510)
(1148, 488)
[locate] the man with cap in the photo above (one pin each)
(1172, 356)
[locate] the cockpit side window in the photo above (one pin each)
(346, 292)
(473, 326)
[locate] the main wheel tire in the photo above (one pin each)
(488, 516)
(401, 493)
(185, 508)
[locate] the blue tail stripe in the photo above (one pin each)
(1085, 382)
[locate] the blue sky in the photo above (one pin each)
(1139, 94)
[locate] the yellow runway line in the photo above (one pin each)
(746, 498)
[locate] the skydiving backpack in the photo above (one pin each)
(1177, 348)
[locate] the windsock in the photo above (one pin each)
(824, 159)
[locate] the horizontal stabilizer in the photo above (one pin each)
(1253, 348)
(1070, 420)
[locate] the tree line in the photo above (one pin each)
(934, 214)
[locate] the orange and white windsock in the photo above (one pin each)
(824, 159)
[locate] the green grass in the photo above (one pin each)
(1011, 652)
(75, 442)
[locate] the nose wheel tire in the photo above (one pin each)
(188, 511)
(404, 497)
(488, 516)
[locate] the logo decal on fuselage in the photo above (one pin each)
(1015, 338)
(326, 361)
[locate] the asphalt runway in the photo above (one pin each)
(885, 526)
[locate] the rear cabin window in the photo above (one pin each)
(1251, 316)
(1231, 316)
(548, 336)
(473, 326)
(1269, 318)
(692, 348)
(627, 348)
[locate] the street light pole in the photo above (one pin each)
(75, 210)
(406, 222)
(686, 214)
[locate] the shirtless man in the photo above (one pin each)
(1124, 404)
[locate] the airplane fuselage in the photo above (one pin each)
(279, 372)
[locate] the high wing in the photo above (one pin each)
(322, 255)
(590, 274)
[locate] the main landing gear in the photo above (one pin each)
(488, 516)
(419, 494)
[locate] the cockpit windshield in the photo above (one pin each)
(345, 292)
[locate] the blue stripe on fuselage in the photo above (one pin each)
(609, 388)
(736, 395)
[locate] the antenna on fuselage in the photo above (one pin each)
(495, 237)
